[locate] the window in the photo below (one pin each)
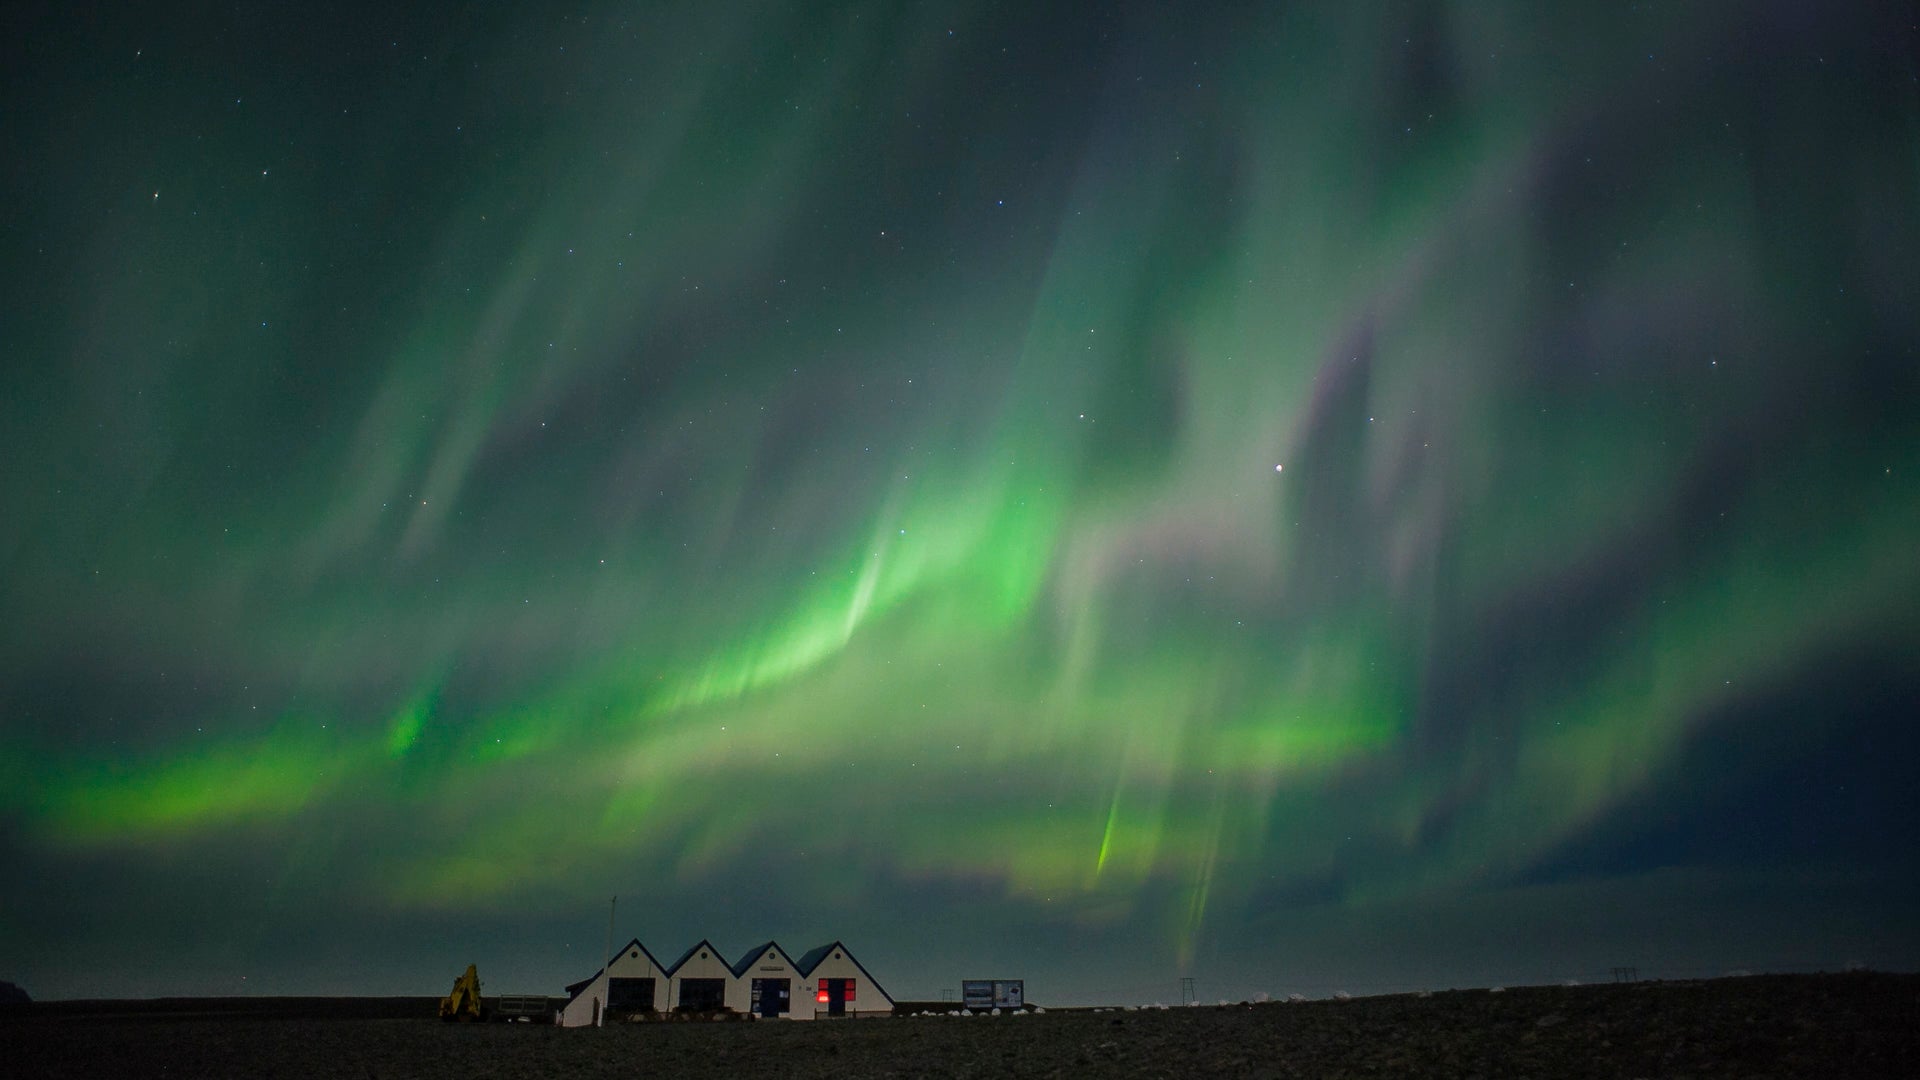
(703, 995)
(629, 995)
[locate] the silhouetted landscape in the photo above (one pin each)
(1851, 1025)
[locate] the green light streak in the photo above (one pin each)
(236, 783)
(976, 555)
(405, 729)
(1106, 835)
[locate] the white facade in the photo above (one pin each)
(783, 990)
(695, 973)
(827, 982)
(858, 994)
(633, 961)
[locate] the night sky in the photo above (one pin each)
(1305, 496)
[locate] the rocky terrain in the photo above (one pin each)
(1854, 1025)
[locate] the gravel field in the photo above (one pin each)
(1855, 1025)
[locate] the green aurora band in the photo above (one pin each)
(1356, 462)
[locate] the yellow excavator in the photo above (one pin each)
(464, 1002)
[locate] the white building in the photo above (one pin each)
(840, 985)
(766, 982)
(631, 982)
(698, 981)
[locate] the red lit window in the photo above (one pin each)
(826, 989)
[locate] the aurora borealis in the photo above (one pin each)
(1297, 495)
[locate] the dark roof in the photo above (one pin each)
(815, 956)
(644, 951)
(574, 989)
(751, 956)
(703, 943)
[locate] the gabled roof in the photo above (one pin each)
(753, 955)
(644, 951)
(815, 957)
(703, 943)
(812, 958)
(574, 989)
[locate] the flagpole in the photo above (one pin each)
(607, 991)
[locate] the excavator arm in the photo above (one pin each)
(464, 1002)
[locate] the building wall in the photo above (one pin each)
(771, 964)
(868, 999)
(632, 963)
(705, 963)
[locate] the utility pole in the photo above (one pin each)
(607, 991)
(1186, 990)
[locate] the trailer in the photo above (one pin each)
(524, 1008)
(993, 993)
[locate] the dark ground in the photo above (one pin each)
(1854, 1025)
